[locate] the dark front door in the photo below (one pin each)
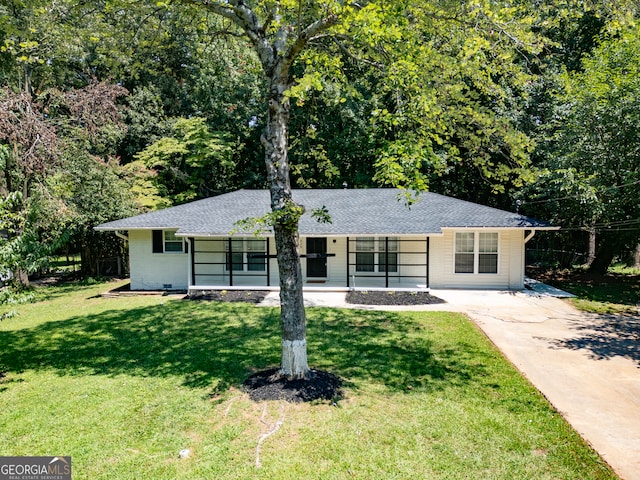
(316, 257)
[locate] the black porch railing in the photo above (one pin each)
(230, 267)
(387, 264)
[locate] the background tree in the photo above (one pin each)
(29, 146)
(591, 176)
(37, 133)
(194, 163)
(88, 192)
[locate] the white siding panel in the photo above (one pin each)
(517, 260)
(337, 266)
(510, 263)
(413, 259)
(154, 271)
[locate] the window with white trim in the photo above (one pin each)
(476, 252)
(256, 255)
(487, 252)
(372, 254)
(172, 244)
(247, 255)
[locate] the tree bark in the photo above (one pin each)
(604, 256)
(592, 246)
(292, 314)
(277, 49)
(22, 277)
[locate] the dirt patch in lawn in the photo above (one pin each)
(269, 385)
(248, 296)
(375, 297)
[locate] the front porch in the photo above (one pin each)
(328, 263)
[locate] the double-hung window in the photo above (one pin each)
(172, 243)
(388, 258)
(365, 254)
(256, 258)
(246, 255)
(234, 259)
(488, 253)
(476, 252)
(372, 254)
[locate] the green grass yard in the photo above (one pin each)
(122, 385)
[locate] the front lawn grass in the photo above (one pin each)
(123, 385)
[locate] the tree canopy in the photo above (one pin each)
(488, 101)
(590, 181)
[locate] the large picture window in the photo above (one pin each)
(476, 252)
(372, 254)
(246, 255)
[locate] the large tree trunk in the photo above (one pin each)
(592, 246)
(277, 47)
(286, 215)
(604, 256)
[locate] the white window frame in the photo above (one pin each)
(378, 251)
(245, 251)
(476, 252)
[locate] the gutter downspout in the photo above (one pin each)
(121, 235)
(529, 237)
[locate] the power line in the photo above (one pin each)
(614, 187)
(619, 226)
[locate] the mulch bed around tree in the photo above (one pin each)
(249, 296)
(268, 385)
(390, 297)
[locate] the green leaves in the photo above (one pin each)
(591, 177)
(444, 92)
(20, 247)
(194, 163)
(286, 217)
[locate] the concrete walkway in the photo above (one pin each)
(587, 366)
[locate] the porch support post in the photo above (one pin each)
(268, 265)
(230, 263)
(427, 255)
(192, 241)
(386, 262)
(348, 281)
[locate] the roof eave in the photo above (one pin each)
(519, 227)
(119, 229)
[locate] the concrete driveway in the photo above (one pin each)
(587, 366)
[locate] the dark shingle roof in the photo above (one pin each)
(377, 211)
